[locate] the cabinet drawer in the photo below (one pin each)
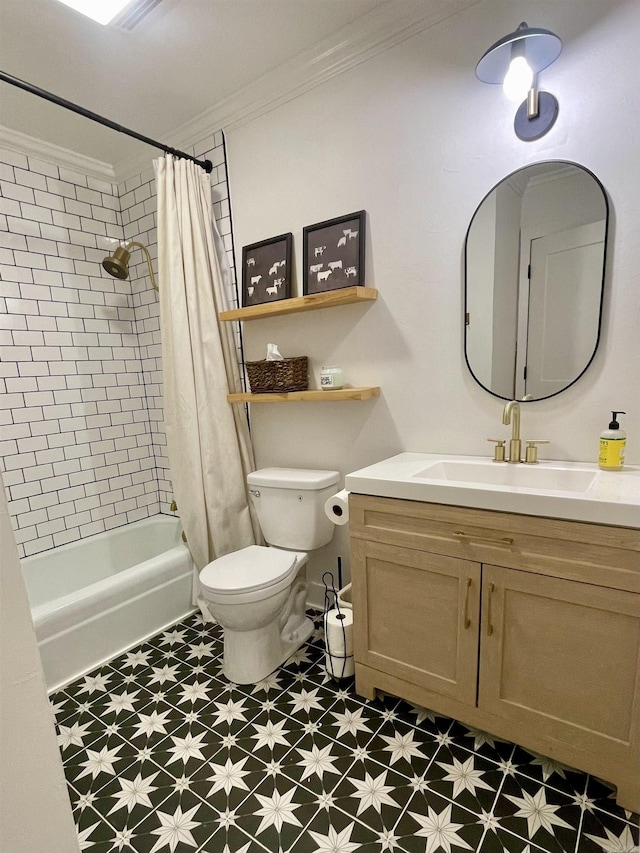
(596, 554)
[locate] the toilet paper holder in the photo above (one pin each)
(337, 622)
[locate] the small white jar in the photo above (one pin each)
(331, 378)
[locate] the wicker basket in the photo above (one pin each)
(273, 377)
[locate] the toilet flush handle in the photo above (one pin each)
(254, 492)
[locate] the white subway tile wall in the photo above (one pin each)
(82, 443)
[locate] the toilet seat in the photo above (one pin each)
(251, 570)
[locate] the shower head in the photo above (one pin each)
(117, 264)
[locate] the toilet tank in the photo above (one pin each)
(290, 503)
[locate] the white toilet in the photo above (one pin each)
(258, 594)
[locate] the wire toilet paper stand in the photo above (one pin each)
(339, 650)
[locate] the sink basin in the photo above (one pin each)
(571, 490)
(517, 476)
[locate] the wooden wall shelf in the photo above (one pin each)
(313, 396)
(329, 299)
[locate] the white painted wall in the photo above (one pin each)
(413, 138)
(35, 812)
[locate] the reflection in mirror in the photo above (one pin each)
(534, 275)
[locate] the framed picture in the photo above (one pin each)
(266, 270)
(333, 253)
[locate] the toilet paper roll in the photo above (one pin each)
(338, 637)
(337, 508)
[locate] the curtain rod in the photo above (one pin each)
(207, 165)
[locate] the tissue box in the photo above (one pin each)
(273, 377)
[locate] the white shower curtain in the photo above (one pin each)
(208, 440)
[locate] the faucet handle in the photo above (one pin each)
(499, 453)
(531, 453)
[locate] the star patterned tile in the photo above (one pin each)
(163, 754)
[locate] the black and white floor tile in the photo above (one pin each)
(162, 753)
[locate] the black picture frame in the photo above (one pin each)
(333, 253)
(266, 270)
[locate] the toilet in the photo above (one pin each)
(258, 594)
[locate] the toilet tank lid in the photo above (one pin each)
(293, 478)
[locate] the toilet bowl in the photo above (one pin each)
(258, 594)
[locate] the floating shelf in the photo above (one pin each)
(314, 396)
(329, 299)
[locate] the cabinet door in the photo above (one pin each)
(560, 658)
(416, 617)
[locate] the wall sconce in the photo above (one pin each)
(515, 61)
(117, 264)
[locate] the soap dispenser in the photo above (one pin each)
(612, 446)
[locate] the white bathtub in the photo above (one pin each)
(94, 598)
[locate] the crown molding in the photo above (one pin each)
(519, 182)
(375, 32)
(47, 151)
(563, 172)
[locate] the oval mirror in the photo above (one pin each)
(534, 275)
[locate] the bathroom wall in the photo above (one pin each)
(412, 137)
(76, 447)
(82, 446)
(32, 782)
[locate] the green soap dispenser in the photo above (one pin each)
(612, 445)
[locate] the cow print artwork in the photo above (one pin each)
(266, 270)
(334, 253)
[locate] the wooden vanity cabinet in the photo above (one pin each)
(526, 627)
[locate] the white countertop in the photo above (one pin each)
(612, 497)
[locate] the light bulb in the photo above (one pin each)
(518, 79)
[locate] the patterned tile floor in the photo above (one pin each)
(162, 753)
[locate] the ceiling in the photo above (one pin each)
(184, 57)
(190, 63)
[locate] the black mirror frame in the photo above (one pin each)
(604, 270)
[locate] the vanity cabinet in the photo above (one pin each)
(526, 627)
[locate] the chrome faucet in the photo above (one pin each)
(511, 415)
